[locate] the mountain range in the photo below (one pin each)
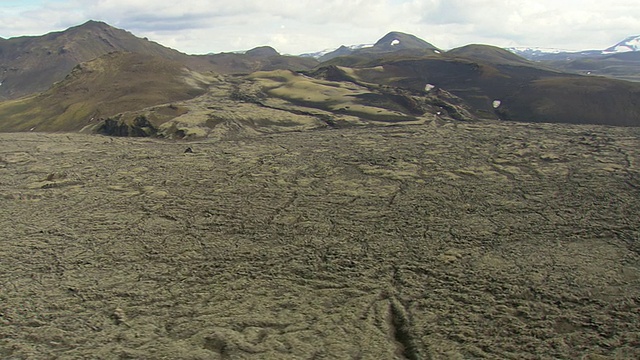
(621, 60)
(97, 78)
(632, 43)
(32, 63)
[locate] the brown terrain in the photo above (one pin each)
(480, 74)
(31, 64)
(94, 73)
(444, 240)
(376, 206)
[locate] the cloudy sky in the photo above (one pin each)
(299, 26)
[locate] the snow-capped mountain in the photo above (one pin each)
(541, 54)
(321, 53)
(533, 53)
(632, 43)
(535, 50)
(393, 41)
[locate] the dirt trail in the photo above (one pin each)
(461, 241)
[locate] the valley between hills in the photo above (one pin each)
(97, 78)
(392, 202)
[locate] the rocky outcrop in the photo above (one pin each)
(139, 127)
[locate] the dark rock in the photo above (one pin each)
(139, 127)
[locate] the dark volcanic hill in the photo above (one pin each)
(393, 42)
(262, 51)
(32, 63)
(489, 54)
(396, 40)
(525, 90)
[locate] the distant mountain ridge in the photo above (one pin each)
(621, 60)
(343, 50)
(537, 53)
(391, 42)
(31, 64)
(630, 44)
(618, 61)
(400, 78)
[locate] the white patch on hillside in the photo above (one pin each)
(496, 104)
(429, 87)
(395, 42)
(622, 48)
(629, 44)
(537, 50)
(326, 51)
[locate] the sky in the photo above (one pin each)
(301, 26)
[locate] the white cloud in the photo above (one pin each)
(200, 26)
(568, 23)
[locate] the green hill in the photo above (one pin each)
(111, 84)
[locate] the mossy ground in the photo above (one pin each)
(449, 241)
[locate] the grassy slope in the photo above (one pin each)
(284, 101)
(109, 85)
(529, 91)
(33, 63)
(333, 96)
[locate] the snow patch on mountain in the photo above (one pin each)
(537, 50)
(324, 52)
(632, 43)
